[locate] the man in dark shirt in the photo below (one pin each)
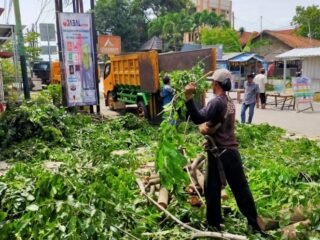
(221, 110)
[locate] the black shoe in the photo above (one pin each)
(257, 230)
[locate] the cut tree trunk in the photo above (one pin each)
(163, 198)
(291, 231)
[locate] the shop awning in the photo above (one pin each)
(246, 57)
(297, 53)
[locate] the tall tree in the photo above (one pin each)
(119, 17)
(31, 46)
(170, 28)
(161, 7)
(210, 19)
(307, 19)
(225, 36)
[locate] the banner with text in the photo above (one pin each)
(301, 87)
(78, 62)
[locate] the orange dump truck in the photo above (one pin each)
(134, 78)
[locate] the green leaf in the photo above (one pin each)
(33, 207)
(3, 216)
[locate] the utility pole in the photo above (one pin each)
(309, 33)
(233, 20)
(94, 33)
(260, 28)
(21, 50)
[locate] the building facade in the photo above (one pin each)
(220, 7)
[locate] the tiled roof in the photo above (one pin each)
(290, 38)
(245, 36)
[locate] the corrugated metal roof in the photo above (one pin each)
(228, 56)
(300, 53)
(190, 47)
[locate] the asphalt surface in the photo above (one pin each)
(302, 124)
(305, 123)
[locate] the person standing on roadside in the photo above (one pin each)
(167, 91)
(219, 115)
(251, 98)
(261, 80)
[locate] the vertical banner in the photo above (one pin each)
(78, 63)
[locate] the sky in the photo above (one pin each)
(276, 14)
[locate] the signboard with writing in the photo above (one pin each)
(78, 63)
(301, 87)
(110, 45)
(302, 92)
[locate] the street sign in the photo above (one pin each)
(110, 45)
(45, 50)
(47, 32)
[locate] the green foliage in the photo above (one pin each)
(124, 19)
(208, 19)
(170, 159)
(162, 7)
(225, 36)
(172, 26)
(307, 18)
(53, 95)
(93, 194)
(31, 42)
(33, 120)
(8, 71)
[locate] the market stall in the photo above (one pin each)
(240, 65)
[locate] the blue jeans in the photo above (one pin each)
(243, 112)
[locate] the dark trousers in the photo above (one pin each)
(237, 181)
(263, 98)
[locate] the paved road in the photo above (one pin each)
(303, 123)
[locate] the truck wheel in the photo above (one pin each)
(110, 100)
(142, 110)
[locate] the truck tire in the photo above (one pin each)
(142, 110)
(110, 100)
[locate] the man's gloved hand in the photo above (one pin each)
(189, 90)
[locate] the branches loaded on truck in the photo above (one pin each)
(134, 78)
